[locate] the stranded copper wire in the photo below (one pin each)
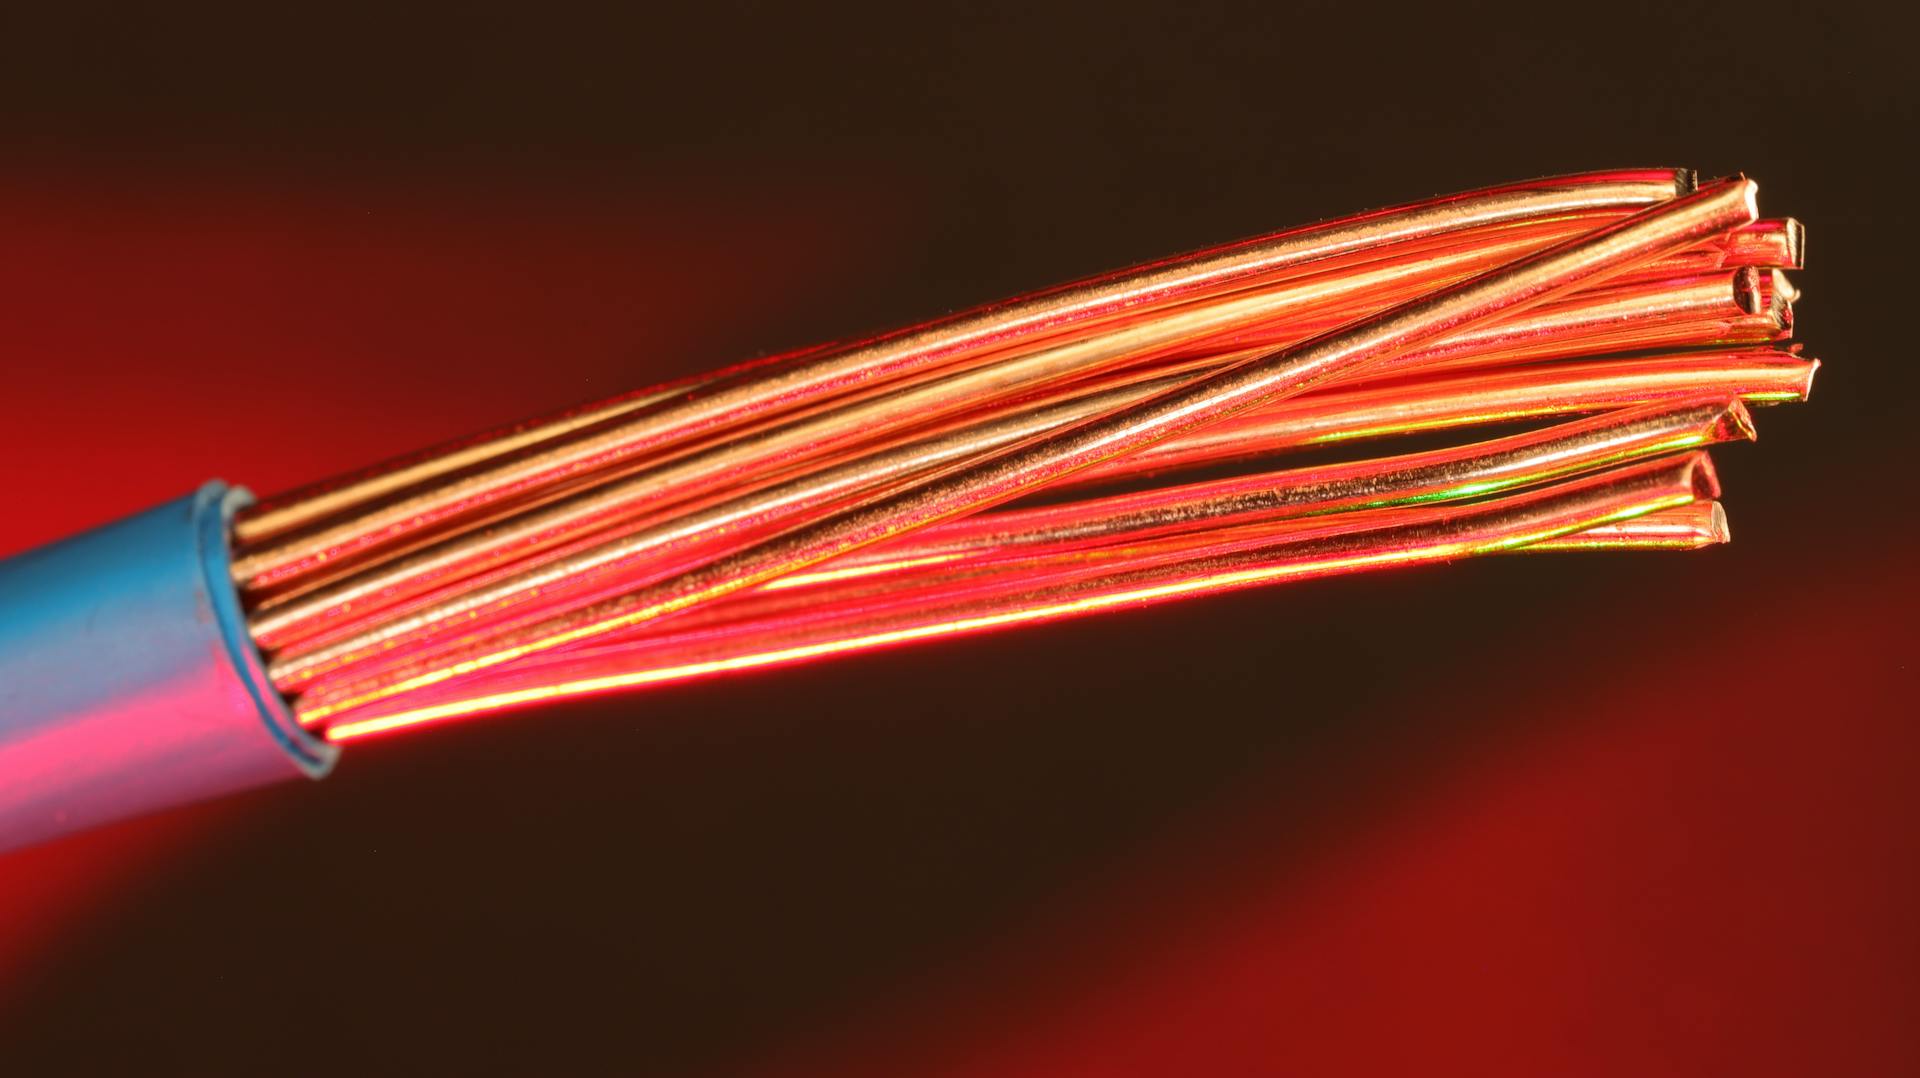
(847, 496)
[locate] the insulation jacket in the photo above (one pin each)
(128, 682)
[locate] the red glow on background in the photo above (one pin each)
(1700, 862)
(1703, 863)
(271, 332)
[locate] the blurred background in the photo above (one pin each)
(1576, 815)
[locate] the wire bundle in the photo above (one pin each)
(1118, 441)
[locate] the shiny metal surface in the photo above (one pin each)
(1128, 577)
(1532, 281)
(938, 348)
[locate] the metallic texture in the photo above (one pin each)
(1129, 577)
(937, 349)
(827, 498)
(1451, 474)
(1528, 282)
(1664, 313)
(1467, 399)
(1205, 423)
(1431, 476)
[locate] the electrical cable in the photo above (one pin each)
(1102, 445)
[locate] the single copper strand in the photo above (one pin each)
(1687, 527)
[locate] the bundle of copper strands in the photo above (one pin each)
(1574, 344)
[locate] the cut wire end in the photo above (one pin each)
(852, 497)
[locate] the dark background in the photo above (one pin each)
(1534, 815)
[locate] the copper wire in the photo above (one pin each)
(1129, 578)
(1685, 527)
(1665, 312)
(1535, 279)
(1453, 401)
(852, 496)
(1434, 475)
(1464, 399)
(1449, 474)
(1336, 293)
(940, 347)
